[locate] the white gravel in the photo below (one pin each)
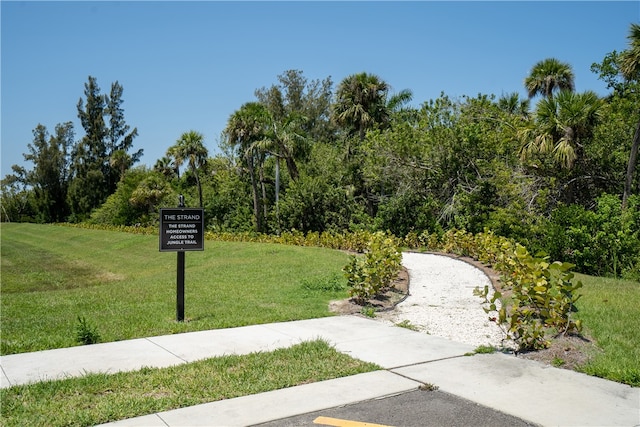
(441, 300)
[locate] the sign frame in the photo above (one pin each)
(181, 229)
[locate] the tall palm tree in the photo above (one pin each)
(630, 68)
(190, 148)
(548, 76)
(361, 103)
(245, 129)
(562, 125)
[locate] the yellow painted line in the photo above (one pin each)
(335, 422)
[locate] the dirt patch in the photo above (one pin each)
(387, 300)
(568, 352)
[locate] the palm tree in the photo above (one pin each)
(121, 161)
(630, 68)
(630, 58)
(397, 101)
(190, 148)
(361, 103)
(562, 124)
(548, 76)
(245, 130)
(149, 193)
(167, 167)
(512, 104)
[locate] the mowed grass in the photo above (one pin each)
(610, 311)
(101, 398)
(125, 288)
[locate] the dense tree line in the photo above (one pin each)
(71, 178)
(555, 170)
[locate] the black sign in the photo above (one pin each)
(182, 229)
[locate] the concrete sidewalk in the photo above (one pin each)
(525, 389)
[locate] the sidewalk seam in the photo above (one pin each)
(161, 419)
(6, 376)
(423, 363)
(168, 351)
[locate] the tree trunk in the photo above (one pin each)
(278, 193)
(195, 172)
(633, 157)
(256, 197)
(264, 194)
(292, 167)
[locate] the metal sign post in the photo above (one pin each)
(181, 230)
(180, 288)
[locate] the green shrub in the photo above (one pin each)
(368, 274)
(543, 300)
(404, 213)
(603, 241)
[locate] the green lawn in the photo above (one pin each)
(125, 288)
(100, 398)
(610, 311)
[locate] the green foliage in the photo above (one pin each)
(101, 157)
(482, 349)
(367, 275)
(604, 241)
(404, 213)
(542, 293)
(49, 177)
(86, 333)
(227, 198)
(312, 204)
(189, 149)
(361, 103)
(558, 362)
(127, 206)
(368, 311)
(543, 297)
(407, 325)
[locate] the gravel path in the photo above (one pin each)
(441, 300)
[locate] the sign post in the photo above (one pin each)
(181, 230)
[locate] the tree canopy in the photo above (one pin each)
(303, 156)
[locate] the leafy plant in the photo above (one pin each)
(369, 274)
(543, 299)
(86, 333)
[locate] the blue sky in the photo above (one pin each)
(189, 65)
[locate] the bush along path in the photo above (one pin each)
(538, 294)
